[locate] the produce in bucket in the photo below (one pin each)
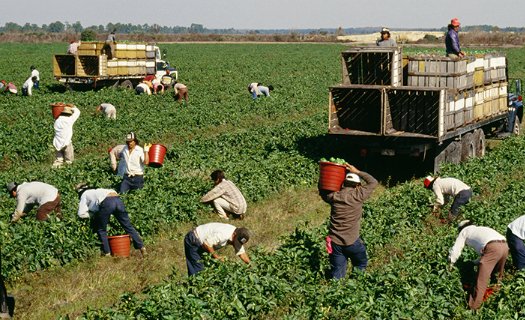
(335, 160)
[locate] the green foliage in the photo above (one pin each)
(88, 35)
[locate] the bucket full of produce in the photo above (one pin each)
(156, 155)
(57, 109)
(332, 174)
(119, 245)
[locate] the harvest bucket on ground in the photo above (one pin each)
(119, 245)
(156, 155)
(57, 109)
(331, 175)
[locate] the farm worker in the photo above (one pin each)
(149, 78)
(492, 248)
(26, 87)
(448, 187)
(452, 40)
(385, 39)
(110, 43)
(166, 80)
(134, 158)
(108, 109)
(265, 90)
(253, 89)
(181, 90)
(35, 73)
(73, 47)
(345, 221)
(211, 237)
(2, 84)
(226, 197)
(157, 86)
(143, 88)
(100, 204)
(515, 238)
(114, 157)
(28, 194)
(64, 133)
(10, 88)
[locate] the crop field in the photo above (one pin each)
(265, 146)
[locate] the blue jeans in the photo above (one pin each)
(193, 250)
(135, 182)
(356, 252)
(461, 199)
(114, 206)
(517, 249)
(35, 85)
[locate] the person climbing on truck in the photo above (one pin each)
(110, 44)
(73, 47)
(448, 187)
(452, 40)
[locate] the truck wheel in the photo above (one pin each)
(516, 130)
(453, 152)
(127, 84)
(479, 142)
(468, 149)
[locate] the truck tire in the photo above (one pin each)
(516, 129)
(479, 142)
(127, 84)
(468, 148)
(450, 153)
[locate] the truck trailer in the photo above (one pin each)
(442, 115)
(91, 68)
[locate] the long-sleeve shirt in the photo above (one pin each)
(264, 90)
(28, 85)
(217, 235)
(36, 74)
(73, 48)
(474, 237)
(518, 227)
(347, 210)
(134, 161)
(64, 129)
(387, 43)
(253, 86)
(447, 186)
(114, 157)
(90, 201)
(30, 193)
(452, 42)
(145, 87)
(229, 192)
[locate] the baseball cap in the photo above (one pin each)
(131, 136)
(455, 22)
(11, 186)
(428, 181)
(352, 177)
(81, 187)
(385, 30)
(241, 237)
(72, 41)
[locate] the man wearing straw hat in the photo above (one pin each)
(134, 159)
(100, 204)
(63, 134)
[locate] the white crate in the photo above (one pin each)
(460, 103)
(503, 89)
(112, 63)
(132, 63)
(141, 63)
(150, 64)
(122, 63)
(479, 96)
(141, 47)
(131, 47)
(121, 46)
(150, 47)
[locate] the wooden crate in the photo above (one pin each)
(150, 54)
(85, 52)
(487, 76)
(503, 102)
(64, 65)
(150, 70)
(501, 73)
(112, 71)
(131, 50)
(87, 46)
(487, 108)
(141, 51)
(503, 88)
(478, 77)
(469, 106)
(478, 110)
(431, 70)
(121, 51)
(372, 66)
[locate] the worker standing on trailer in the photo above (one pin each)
(444, 188)
(385, 39)
(110, 44)
(345, 221)
(134, 159)
(452, 40)
(73, 47)
(493, 251)
(29, 194)
(63, 135)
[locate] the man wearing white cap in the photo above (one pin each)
(385, 39)
(63, 134)
(134, 158)
(345, 221)
(493, 251)
(444, 188)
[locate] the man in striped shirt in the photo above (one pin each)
(226, 197)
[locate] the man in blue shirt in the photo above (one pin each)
(452, 40)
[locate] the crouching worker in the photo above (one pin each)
(448, 187)
(28, 194)
(100, 204)
(211, 237)
(226, 197)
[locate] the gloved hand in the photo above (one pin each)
(146, 147)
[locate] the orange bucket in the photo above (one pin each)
(57, 109)
(156, 155)
(119, 245)
(331, 175)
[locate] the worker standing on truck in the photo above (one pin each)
(181, 90)
(385, 39)
(29, 194)
(35, 73)
(226, 197)
(493, 251)
(73, 47)
(108, 109)
(134, 159)
(452, 40)
(63, 134)
(110, 43)
(444, 188)
(26, 87)
(345, 221)
(114, 157)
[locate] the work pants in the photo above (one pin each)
(183, 93)
(517, 249)
(193, 250)
(48, 207)
(65, 154)
(356, 252)
(223, 207)
(461, 199)
(131, 183)
(109, 44)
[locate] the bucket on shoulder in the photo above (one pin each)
(57, 109)
(331, 175)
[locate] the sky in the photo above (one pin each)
(268, 14)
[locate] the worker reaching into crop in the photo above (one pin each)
(108, 109)
(345, 221)
(100, 204)
(386, 41)
(452, 40)
(444, 188)
(211, 237)
(134, 158)
(515, 237)
(253, 88)
(9, 88)
(35, 73)
(27, 86)
(181, 90)
(63, 135)
(143, 87)
(29, 194)
(226, 197)
(493, 251)
(110, 44)
(114, 157)
(73, 47)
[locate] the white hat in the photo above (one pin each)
(352, 177)
(463, 223)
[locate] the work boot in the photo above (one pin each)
(143, 251)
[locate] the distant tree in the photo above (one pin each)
(12, 26)
(155, 28)
(110, 27)
(88, 35)
(198, 28)
(27, 27)
(77, 26)
(100, 28)
(494, 29)
(45, 27)
(56, 27)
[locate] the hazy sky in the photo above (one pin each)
(268, 14)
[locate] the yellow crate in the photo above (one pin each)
(141, 54)
(122, 70)
(503, 103)
(133, 70)
(121, 54)
(478, 77)
(112, 71)
(131, 54)
(478, 111)
(487, 108)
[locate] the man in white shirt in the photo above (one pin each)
(134, 158)
(63, 134)
(100, 204)
(444, 188)
(26, 87)
(108, 109)
(211, 237)
(114, 156)
(73, 47)
(143, 88)
(515, 238)
(35, 73)
(493, 251)
(29, 194)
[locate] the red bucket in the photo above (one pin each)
(331, 175)
(156, 155)
(57, 109)
(119, 245)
